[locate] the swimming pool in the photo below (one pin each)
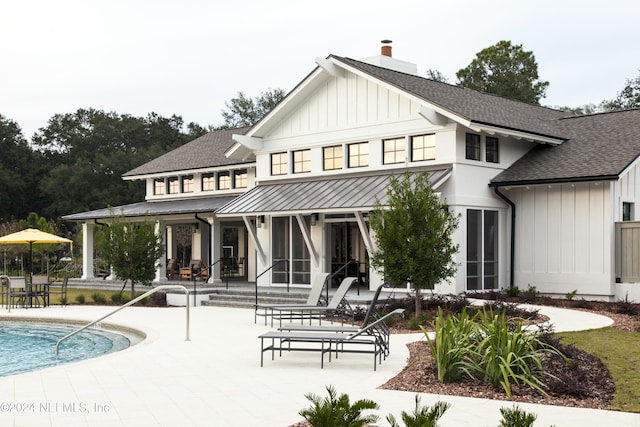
(28, 346)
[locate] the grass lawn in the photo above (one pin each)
(620, 352)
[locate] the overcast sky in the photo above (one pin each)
(187, 57)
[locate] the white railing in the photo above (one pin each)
(133, 301)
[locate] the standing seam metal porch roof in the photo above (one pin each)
(164, 207)
(353, 193)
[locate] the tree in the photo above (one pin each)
(414, 235)
(89, 150)
(244, 111)
(437, 76)
(133, 250)
(627, 98)
(18, 173)
(506, 70)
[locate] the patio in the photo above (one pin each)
(216, 379)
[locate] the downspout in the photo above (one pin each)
(513, 234)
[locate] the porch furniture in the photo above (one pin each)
(336, 306)
(38, 290)
(366, 341)
(173, 268)
(318, 282)
(187, 272)
(58, 288)
(14, 291)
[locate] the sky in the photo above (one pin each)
(189, 57)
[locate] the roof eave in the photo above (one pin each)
(546, 181)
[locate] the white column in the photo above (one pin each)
(216, 237)
(87, 251)
(161, 271)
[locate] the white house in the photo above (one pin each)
(538, 192)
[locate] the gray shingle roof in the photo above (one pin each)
(203, 152)
(478, 107)
(601, 146)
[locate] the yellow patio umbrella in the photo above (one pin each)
(30, 236)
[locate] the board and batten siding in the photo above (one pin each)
(564, 238)
(346, 102)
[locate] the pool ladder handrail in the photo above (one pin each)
(123, 306)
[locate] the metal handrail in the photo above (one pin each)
(268, 269)
(199, 274)
(133, 301)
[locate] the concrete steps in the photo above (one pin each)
(246, 298)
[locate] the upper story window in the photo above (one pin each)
(224, 181)
(187, 184)
(332, 157)
(240, 178)
(627, 211)
(302, 161)
(358, 154)
(472, 146)
(393, 151)
(174, 185)
(491, 150)
(423, 147)
(208, 182)
(279, 164)
(158, 187)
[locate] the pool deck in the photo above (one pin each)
(215, 378)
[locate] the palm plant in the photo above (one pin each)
(422, 416)
(516, 417)
(337, 411)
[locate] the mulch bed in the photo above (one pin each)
(588, 384)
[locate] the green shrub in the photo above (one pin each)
(453, 344)
(571, 295)
(516, 417)
(98, 298)
(334, 411)
(80, 299)
(422, 416)
(116, 298)
(513, 292)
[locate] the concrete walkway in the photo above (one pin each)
(215, 379)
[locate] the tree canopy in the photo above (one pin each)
(506, 70)
(89, 150)
(133, 250)
(628, 97)
(414, 235)
(244, 111)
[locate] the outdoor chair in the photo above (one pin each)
(187, 272)
(364, 341)
(317, 285)
(336, 306)
(381, 330)
(173, 268)
(17, 291)
(38, 289)
(58, 288)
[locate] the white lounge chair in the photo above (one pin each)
(318, 282)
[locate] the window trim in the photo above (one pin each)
(302, 165)
(358, 156)
(425, 149)
(283, 164)
(495, 151)
(475, 147)
(333, 159)
(395, 152)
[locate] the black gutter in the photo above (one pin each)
(513, 233)
(523, 183)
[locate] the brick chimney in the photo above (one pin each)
(385, 50)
